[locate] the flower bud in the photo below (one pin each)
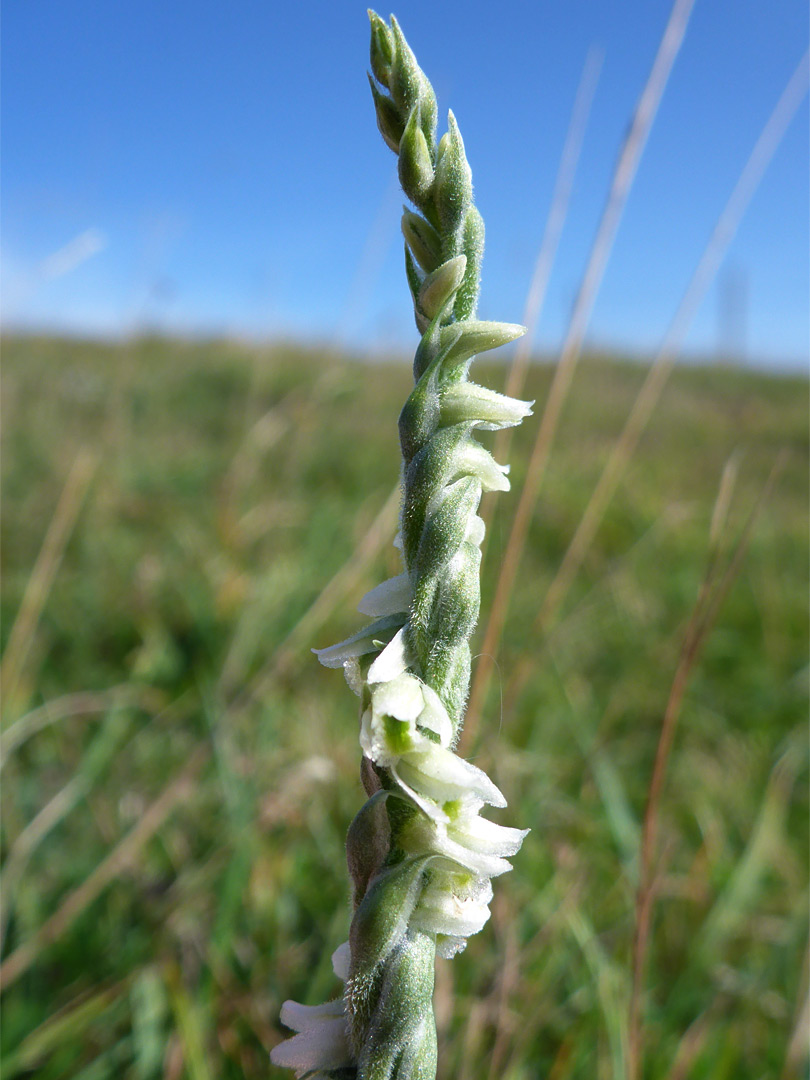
(406, 79)
(422, 239)
(389, 120)
(439, 287)
(415, 165)
(453, 188)
(382, 49)
(446, 530)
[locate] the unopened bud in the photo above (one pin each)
(453, 189)
(415, 165)
(389, 120)
(406, 79)
(440, 286)
(382, 49)
(422, 239)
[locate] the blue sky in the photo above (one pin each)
(200, 167)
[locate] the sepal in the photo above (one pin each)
(387, 598)
(363, 642)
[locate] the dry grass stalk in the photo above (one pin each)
(122, 856)
(43, 574)
(713, 591)
(621, 183)
(660, 370)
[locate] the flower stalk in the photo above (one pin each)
(420, 855)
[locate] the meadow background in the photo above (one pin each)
(206, 346)
(179, 772)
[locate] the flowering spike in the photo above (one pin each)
(420, 854)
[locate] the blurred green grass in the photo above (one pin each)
(169, 689)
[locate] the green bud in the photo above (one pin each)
(455, 607)
(429, 111)
(415, 165)
(419, 418)
(453, 185)
(406, 79)
(414, 276)
(440, 287)
(422, 239)
(382, 49)
(389, 120)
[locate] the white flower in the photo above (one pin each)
(322, 1042)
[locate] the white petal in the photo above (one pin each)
(391, 596)
(299, 1017)
(478, 834)
(341, 960)
(474, 459)
(446, 947)
(444, 776)
(476, 529)
(400, 697)
(353, 676)
(434, 716)
(479, 862)
(323, 1046)
(432, 809)
(442, 911)
(391, 661)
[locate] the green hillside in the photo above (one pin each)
(179, 772)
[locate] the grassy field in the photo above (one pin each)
(181, 525)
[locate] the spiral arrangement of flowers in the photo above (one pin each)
(420, 854)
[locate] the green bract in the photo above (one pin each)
(420, 854)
